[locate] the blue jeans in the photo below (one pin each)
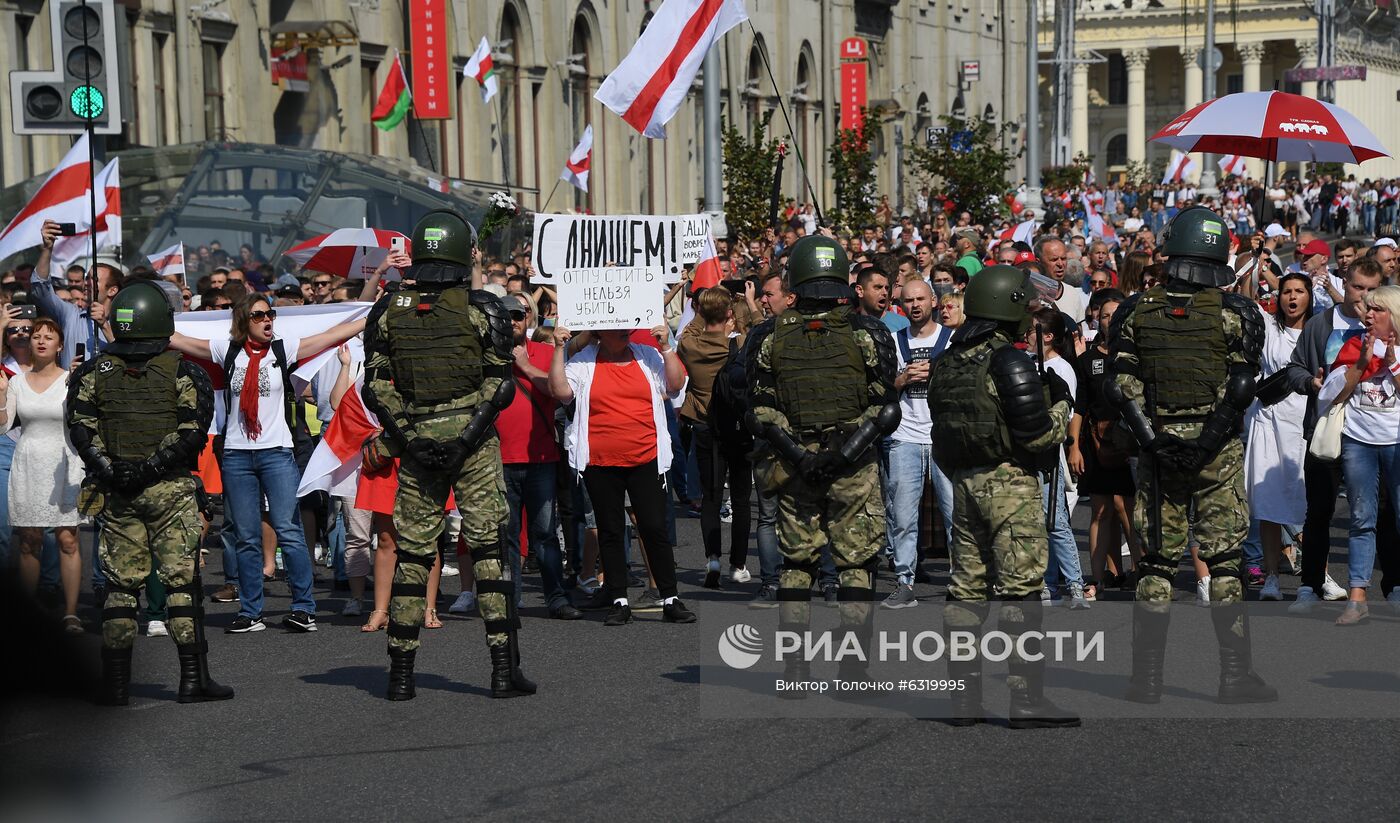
(770, 559)
(249, 474)
(1253, 548)
(1064, 551)
(7, 456)
(230, 553)
(1368, 217)
(1365, 468)
(906, 467)
(530, 490)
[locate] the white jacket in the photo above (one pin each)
(579, 372)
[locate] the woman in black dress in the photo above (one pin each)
(1096, 457)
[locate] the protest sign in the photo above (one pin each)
(661, 244)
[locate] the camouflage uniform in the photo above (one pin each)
(845, 510)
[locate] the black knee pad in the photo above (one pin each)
(1216, 563)
(408, 590)
(400, 631)
(425, 560)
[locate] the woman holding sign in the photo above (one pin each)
(619, 442)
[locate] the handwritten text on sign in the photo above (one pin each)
(616, 297)
(662, 245)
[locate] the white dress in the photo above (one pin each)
(1274, 444)
(46, 472)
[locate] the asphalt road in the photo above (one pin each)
(616, 732)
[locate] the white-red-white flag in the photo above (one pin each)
(1232, 164)
(62, 198)
(1023, 232)
(109, 223)
(333, 466)
(580, 159)
(1181, 168)
(707, 274)
(168, 262)
(1099, 228)
(649, 85)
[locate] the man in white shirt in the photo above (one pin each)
(1052, 253)
(908, 453)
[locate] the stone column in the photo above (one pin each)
(1079, 109)
(1192, 84)
(1137, 104)
(1251, 56)
(1307, 50)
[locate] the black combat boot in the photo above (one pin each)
(506, 678)
(1149, 653)
(966, 702)
(1238, 682)
(401, 674)
(116, 677)
(195, 684)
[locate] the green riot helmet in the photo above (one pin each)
(816, 257)
(443, 248)
(145, 310)
(1000, 293)
(1197, 245)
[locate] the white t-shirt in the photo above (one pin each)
(1065, 370)
(915, 424)
(1071, 302)
(271, 415)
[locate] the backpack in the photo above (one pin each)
(289, 398)
(729, 400)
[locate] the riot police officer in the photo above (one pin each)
(821, 394)
(437, 369)
(996, 421)
(1184, 360)
(137, 415)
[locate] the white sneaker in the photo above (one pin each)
(449, 570)
(1203, 591)
(1270, 591)
(156, 628)
(465, 602)
(1307, 598)
(352, 609)
(739, 574)
(1330, 589)
(1045, 594)
(318, 553)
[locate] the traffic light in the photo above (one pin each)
(84, 82)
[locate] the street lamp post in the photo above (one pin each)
(1208, 188)
(1033, 198)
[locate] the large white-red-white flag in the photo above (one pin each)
(1099, 228)
(1233, 164)
(335, 464)
(580, 159)
(649, 85)
(1023, 232)
(168, 262)
(109, 223)
(1181, 168)
(62, 198)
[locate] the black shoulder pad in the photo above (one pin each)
(75, 381)
(1125, 310)
(752, 344)
(204, 391)
(502, 336)
(884, 343)
(1021, 392)
(1252, 323)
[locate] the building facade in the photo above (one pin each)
(202, 71)
(1138, 67)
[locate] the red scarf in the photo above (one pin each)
(248, 396)
(1351, 353)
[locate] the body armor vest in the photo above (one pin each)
(436, 354)
(1181, 347)
(819, 369)
(138, 405)
(969, 429)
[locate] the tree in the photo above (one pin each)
(1067, 177)
(1143, 173)
(969, 164)
(748, 178)
(853, 172)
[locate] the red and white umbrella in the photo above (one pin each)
(1274, 126)
(351, 253)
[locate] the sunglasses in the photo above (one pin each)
(20, 330)
(517, 315)
(261, 315)
(223, 305)
(320, 284)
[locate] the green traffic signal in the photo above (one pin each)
(87, 102)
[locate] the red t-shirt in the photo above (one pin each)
(527, 426)
(620, 427)
(643, 337)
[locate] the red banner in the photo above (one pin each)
(431, 60)
(853, 94)
(289, 69)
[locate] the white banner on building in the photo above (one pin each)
(661, 245)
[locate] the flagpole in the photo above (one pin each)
(92, 185)
(545, 208)
(500, 136)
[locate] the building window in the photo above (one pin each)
(369, 93)
(579, 98)
(1117, 80)
(215, 126)
(1234, 83)
(158, 85)
(1117, 151)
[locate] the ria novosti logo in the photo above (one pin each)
(740, 646)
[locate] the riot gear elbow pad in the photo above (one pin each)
(871, 430)
(480, 426)
(1224, 421)
(780, 440)
(97, 463)
(1131, 414)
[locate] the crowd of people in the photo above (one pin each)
(610, 435)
